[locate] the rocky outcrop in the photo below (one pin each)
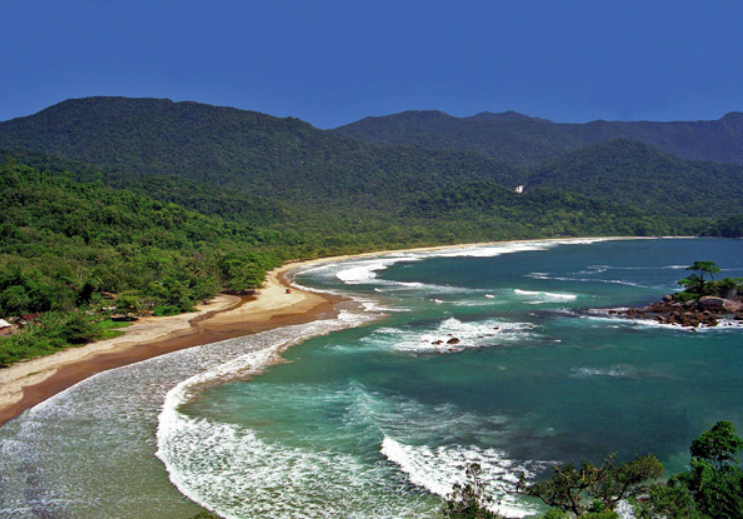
(708, 311)
(719, 304)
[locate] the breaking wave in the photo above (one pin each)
(452, 335)
(439, 469)
(234, 471)
(544, 297)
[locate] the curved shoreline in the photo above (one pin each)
(27, 383)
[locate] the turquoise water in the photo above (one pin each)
(376, 415)
(376, 421)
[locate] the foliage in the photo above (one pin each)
(237, 153)
(731, 227)
(594, 490)
(719, 446)
(695, 283)
(640, 176)
(51, 332)
(110, 222)
(253, 167)
(711, 489)
(546, 211)
(668, 500)
(69, 245)
(468, 500)
(704, 267)
(518, 139)
(696, 286)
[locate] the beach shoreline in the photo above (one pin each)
(28, 383)
(279, 303)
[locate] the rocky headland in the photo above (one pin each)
(706, 311)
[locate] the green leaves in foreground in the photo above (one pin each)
(711, 489)
(468, 500)
(591, 490)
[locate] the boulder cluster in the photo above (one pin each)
(707, 311)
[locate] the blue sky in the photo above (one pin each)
(333, 62)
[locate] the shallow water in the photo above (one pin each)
(380, 420)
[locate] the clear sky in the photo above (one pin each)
(331, 62)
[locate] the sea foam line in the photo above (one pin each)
(174, 427)
(439, 469)
(365, 271)
(548, 295)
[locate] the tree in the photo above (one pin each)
(719, 445)
(711, 489)
(715, 480)
(592, 490)
(705, 267)
(670, 500)
(468, 500)
(14, 301)
(695, 283)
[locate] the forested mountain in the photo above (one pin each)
(243, 152)
(550, 212)
(636, 174)
(156, 205)
(521, 140)
(253, 167)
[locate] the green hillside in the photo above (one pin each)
(124, 206)
(521, 140)
(251, 167)
(80, 252)
(635, 174)
(245, 153)
(548, 212)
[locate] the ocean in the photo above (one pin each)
(503, 355)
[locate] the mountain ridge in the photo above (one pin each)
(255, 167)
(525, 141)
(239, 149)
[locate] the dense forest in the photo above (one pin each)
(119, 207)
(639, 175)
(82, 250)
(526, 141)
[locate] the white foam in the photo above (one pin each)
(364, 271)
(546, 297)
(547, 276)
(238, 474)
(722, 325)
(494, 250)
(211, 463)
(614, 372)
(476, 334)
(439, 469)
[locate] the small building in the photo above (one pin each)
(4, 325)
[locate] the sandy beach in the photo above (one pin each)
(28, 383)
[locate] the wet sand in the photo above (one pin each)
(28, 383)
